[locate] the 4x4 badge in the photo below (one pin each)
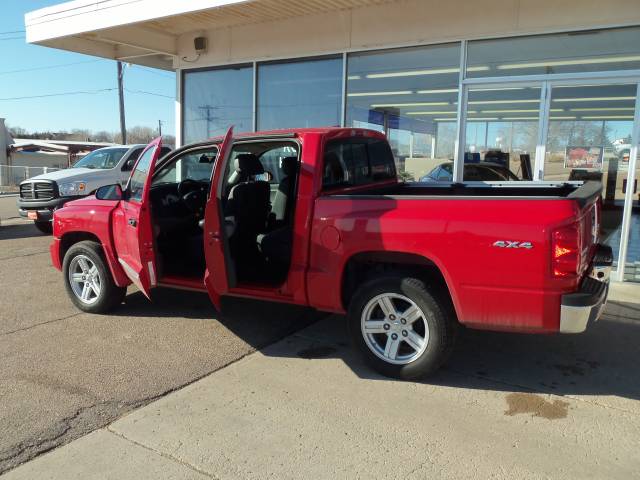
(510, 244)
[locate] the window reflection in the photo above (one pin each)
(216, 99)
(411, 95)
(299, 94)
(598, 50)
(502, 130)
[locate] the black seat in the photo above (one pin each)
(284, 200)
(248, 203)
(333, 173)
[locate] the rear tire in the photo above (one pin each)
(88, 280)
(44, 227)
(402, 328)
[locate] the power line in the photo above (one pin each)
(33, 69)
(150, 93)
(79, 92)
(14, 31)
(11, 38)
(151, 70)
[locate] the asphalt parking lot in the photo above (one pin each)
(300, 401)
(65, 373)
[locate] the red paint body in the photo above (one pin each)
(491, 288)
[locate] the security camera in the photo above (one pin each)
(200, 44)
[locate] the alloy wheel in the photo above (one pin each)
(395, 328)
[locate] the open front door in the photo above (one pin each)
(216, 277)
(132, 223)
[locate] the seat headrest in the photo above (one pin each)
(289, 165)
(247, 165)
(333, 171)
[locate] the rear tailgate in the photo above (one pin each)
(589, 203)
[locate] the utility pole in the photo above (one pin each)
(159, 128)
(123, 125)
(208, 109)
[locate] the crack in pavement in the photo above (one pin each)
(39, 324)
(25, 255)
(162, 454)
(83, 421)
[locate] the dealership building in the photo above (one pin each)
(546, 88)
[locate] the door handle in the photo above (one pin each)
(133, 222)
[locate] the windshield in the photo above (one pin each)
(101, 159)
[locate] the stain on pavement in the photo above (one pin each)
(536, 405)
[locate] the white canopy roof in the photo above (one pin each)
(146, 32)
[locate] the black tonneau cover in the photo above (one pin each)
(582, 192)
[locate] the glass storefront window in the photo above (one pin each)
(592, 51)
(298, 94)
(501, 131)
(411, 94)
(216, 99)
(590, 129)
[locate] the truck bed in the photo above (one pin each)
(459, 228)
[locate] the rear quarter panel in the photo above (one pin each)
(491, 287)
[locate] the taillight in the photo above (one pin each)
(566, 251)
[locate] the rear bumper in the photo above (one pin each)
(579, 308)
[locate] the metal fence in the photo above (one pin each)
(11, 176)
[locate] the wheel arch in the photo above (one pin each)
(363, 265)
(69, 239)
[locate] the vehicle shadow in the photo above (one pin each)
(601, 361)
(21, 230)
(255, 322)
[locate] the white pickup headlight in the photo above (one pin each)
(72, 189)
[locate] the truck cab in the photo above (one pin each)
(317, 217)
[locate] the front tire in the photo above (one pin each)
(402, 328)
(44, 227)
(88, 280)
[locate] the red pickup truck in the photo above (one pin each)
(317, 217)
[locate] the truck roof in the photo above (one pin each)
(294, 132)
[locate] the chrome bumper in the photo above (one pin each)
(586, 305)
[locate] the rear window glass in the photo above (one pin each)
(357, 161)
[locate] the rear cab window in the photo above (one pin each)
(356, 161)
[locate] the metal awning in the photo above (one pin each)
(146, 32)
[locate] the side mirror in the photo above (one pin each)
(110, 192)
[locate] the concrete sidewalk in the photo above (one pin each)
(507, 406)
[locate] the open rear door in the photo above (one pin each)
(216, 277)
(132, 223)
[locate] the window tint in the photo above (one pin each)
(139, 176)
(357, 161)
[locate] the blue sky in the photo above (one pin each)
(97, 111)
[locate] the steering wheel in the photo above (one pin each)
(187, 185)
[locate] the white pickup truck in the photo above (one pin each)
(41, 195)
